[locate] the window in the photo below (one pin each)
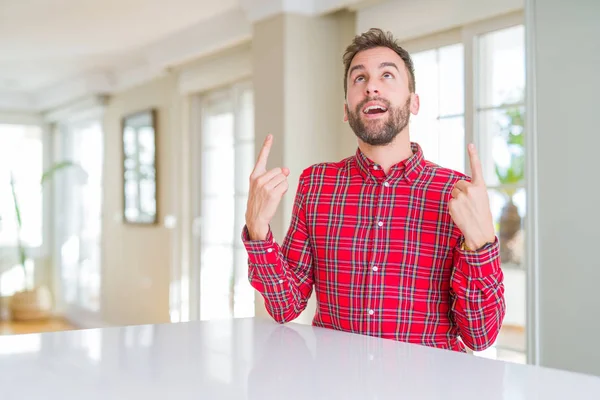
(471, 83)
(227, 153)
(79, 205)
(21, 161)
(439, 127)
(500, 120)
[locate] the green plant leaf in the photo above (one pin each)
(55, 168)
(15, 201)
(22, 255)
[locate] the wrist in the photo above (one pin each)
(477, 244)
(257, 232)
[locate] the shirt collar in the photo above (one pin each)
(408, 169)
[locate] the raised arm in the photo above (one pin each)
(477, 281)
(281, 274)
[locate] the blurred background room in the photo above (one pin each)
(128, 131)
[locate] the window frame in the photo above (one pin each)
(469, 35)
(62, 123)
(189, 295)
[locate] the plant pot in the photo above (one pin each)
(29, 305)
(510, 225)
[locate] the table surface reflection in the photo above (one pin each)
(259, 359)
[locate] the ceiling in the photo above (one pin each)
(45, 42)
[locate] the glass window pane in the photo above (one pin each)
(227, 162)
(243, 301)
(146, 143)
(81, 226)
(21, 154)
(241, 203)
(440, 85)
(218, 220)
(451, 81)
(215, 281)
(244, 164)
(424, 132)
(427, 83)
(218, 171)
(502, 67)
(218, 130)
(246, 116)
(502, 147)
(508, 211)
(452, 143)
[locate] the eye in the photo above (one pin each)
(388, 75)
(359, 78)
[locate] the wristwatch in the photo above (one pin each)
(464, 247)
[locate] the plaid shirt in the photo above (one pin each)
(383, 256)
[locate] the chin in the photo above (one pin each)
(377, 139)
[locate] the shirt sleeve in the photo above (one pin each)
(477, 290)
(283, 275)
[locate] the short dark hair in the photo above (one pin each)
(371, 39)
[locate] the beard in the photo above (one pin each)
(379, 132)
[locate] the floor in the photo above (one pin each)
(51, 325)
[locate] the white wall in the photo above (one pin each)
(298, 77)
(409, 19)
(566, 84)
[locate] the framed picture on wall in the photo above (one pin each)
(140, 205)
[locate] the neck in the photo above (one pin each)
(391, 154)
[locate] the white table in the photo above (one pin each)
(258, 359)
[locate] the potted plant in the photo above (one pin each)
(34, 301)
(510, 177)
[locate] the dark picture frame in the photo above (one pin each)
(140, 173)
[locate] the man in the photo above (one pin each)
(393, 245)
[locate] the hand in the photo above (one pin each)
(266, 190)
(470, 207)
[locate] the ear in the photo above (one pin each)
(414, 103)
(345, 112)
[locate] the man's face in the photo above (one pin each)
(378, 102)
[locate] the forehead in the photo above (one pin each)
(374, 57)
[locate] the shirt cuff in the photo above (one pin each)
(481, 262)
(260, 252)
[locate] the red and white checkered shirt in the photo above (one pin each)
(383, 256)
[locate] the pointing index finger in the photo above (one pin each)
(261, 163)
(476, 170)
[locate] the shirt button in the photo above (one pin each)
(269, 250)
(371, 312)
(375, 268)
(376, 167)
(380, 223)
(281, 281)
(386, 184)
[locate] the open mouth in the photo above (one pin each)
(372, 110)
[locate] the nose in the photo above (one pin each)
(372, 89)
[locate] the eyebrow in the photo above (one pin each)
(354, 68)
(382, 65)
(389, 64)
